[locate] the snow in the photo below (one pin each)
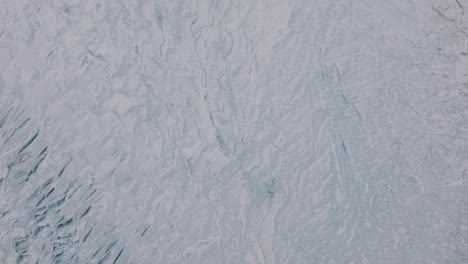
(286, 131)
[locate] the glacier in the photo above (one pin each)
(270, 131)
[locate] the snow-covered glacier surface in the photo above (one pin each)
(234, 131)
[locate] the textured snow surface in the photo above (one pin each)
(270, 131)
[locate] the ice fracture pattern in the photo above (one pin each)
(234, 131)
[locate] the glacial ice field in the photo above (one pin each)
(234, 131)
